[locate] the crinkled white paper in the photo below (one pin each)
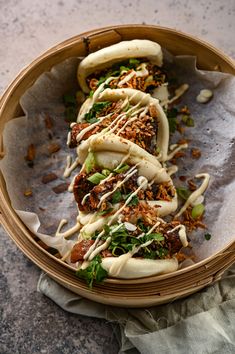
(213, 134)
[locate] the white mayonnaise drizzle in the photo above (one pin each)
(196, 193)
(118, 185)
(182, 234)
(70, 187)
(84, 198)
(69, 232)
(100, 248)
(172, 169)
(142, 70)
(68, 138)
(70, 166)
(127, 78)
(179, 92)
(178, 148)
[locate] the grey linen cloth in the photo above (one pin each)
(201, 323)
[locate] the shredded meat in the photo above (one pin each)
(142, 131)
(80, 249)
(155, 78)
(83, 187)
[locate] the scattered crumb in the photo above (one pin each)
(195, 153)
(28, 193)
(48, 121)
(183, 178)
(192, 185)
(54, 147)
(49, 178)
(31, 153)
(61, 188)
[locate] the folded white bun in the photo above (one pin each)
(134, 268)
(106, 57)
(110, 151)
(134, 97)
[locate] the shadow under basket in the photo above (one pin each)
(126, 293)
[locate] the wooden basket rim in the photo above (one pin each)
(69, 43)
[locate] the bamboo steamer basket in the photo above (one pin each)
(126, 293)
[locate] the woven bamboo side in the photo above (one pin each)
(135, 293)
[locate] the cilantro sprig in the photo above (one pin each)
(96, 109)
(94, 272)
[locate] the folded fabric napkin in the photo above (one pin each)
(203, 322)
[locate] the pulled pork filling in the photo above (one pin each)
(83, 187)
(141, 131)
(152, 78)
(166, 246)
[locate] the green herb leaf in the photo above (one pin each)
(124, 68)
(133, 62)
(154, 236)
(104, 212)
(134, 200)
(91, 93)
(69, 99)
(121, 169)
(172, 113)
(96, 178)
(94, 272)
(90, 162)
(207, 236)
(197, 211)
(183, 193)
(141, 226)
(91, 116)
(116, 197)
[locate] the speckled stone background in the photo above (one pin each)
(29, 322)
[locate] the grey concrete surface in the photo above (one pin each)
(29, 322)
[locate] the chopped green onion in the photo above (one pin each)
(121, 169)
(124, 68)
(90, 162)
(187, 120)
(197, 211)
(134, 62)
(207, 236)
(183, 193)
(96, 178)
(91, 93)
(106, 172)
(190, 122)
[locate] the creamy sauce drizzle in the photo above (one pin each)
(196, 193)
(182, 234)
(70, 166)
(179, 147)
(69, 232)
(100, 248)
(172, 170)
(70, 187)
(179, 92)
